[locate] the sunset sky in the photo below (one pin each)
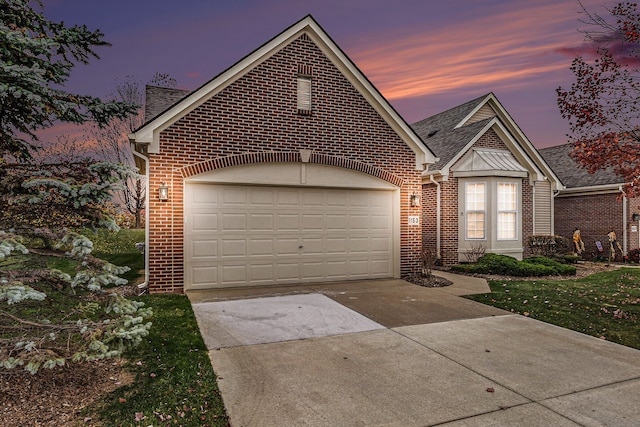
(424, 56)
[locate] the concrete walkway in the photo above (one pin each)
(389, 353)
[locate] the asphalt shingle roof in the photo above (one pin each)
(571, 173)
(439, 133)
(159, 99)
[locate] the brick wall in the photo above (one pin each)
(257, 114)
(596, 216)
(449, 208)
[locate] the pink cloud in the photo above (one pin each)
(502, 49)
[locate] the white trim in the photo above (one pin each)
(591, 190)
(509, 126)
(517, 212)
(149, 133)
(467, 210)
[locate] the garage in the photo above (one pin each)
(247, 235)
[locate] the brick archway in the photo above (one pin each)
(289, 157)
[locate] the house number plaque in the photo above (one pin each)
(414, 220)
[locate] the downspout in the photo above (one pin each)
(142, 287)
(438, 218)
(625, 246)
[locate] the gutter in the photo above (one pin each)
(625, 244)
(143, 287)
(438, 215)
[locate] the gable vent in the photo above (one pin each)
(485, 112)
(304, 89)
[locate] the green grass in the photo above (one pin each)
(604, 305)
(119, 249)
(175, 383)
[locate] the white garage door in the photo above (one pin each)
(251, 235)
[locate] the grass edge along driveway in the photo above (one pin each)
(605, 305)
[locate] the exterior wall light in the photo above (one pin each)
(414, 200)
(163, 192)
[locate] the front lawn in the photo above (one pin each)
(605, 305)
(174, 382)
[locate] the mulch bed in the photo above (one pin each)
(57, 397)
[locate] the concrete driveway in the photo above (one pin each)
(389, 353)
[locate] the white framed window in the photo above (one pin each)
(507, 211)
(475, 210)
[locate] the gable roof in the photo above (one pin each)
(158, 99)
(451, 134)
(150, 131)
(572, 174)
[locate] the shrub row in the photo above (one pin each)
(509, 266)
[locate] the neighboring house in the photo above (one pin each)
(593, 203)
(489, 190)
(289, 167)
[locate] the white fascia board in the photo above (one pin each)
(424, 155)
(473, 112)
(526, 145)
(590, 190)
(518, 151)
(515, 130)
(150, 133)
(458, 156)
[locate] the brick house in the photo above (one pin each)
(593, 203)
(489, 190)
(288, 167)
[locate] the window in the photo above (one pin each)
(507, 211)
(475, 198)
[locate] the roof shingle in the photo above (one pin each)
(571, 173)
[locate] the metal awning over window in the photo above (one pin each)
(489, 162)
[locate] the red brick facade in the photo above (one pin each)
(595, 216)
(449, 208)
(254, 119)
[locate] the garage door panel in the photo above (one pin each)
(204, 248)
(287, 197)
(336, 222)
(233, 274)
(262, 197)
(204, 222)
(380, 223)
(232, 197)
(234, 248)
(313, 222)
(380, 244)
(312, 270)
(288, 222)
(359, 222)
(381, 267)
(261, 222)
(359, 245)
(359, 268)
(261, 247)
(234, 222)
(286, 246)
(204, 276)
(313, 198)
(287, 271)
(244, 235)
(262, 273)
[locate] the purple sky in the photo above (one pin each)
(424, 56)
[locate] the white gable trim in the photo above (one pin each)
(522, 141)
(514, 147)
(150, 132)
